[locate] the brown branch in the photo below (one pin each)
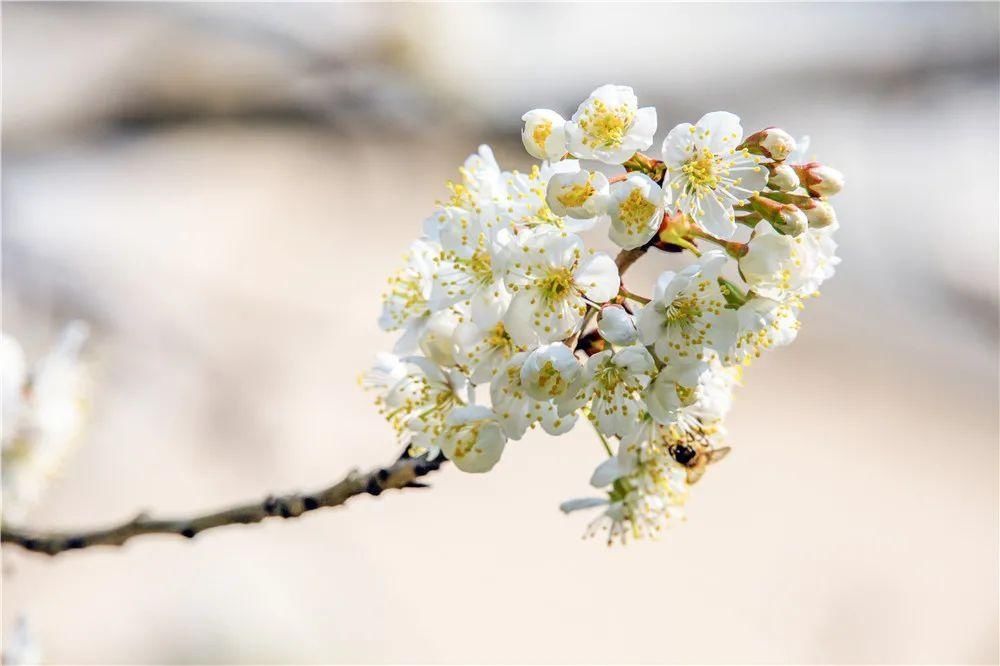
(401, 474)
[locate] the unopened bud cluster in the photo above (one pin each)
(508, 321)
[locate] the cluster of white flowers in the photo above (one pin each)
(497, 300)
(44, 409)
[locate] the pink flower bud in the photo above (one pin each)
(819, 213)
(771, 142)
(783, 178)
(819, 179)
(784, 217)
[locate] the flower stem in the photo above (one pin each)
(635, 297)
(604, 440)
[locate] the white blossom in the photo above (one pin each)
(783, 178)
(580, 195)
(707, 172)
(691, 397)
(405, 305)
(550, 371)
(472, 438)
(649, 489)
(475, 278)
(609, 126)
(14, 382)
(636, 210)
(779, 267)
(515, 407)
(687, 313)
(822, 249)
(418, 403)
(484, 350)
(438, 339)
(553, 277)
(544, 134)
(614, 385)
(765, 323)
(47, 409)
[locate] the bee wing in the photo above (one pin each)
(715, 455)
(695, 473)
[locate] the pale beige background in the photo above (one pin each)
(222, 191)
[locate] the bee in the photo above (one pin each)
(695, 455)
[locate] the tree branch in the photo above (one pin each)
(401, 474)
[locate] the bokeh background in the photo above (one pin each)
(221, 191)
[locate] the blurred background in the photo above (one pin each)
(221, 190)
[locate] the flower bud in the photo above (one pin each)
(819, 179)
(771, 142)
(783, 177)
(617, 326)
(784, 217)
(819, 213)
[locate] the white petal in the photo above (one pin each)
(519, 318)
(569, 506)
(643, 128)
(597, 276)
(679, 145)
(723, 129)
(617, 326)
(606, 473)
(717, 218)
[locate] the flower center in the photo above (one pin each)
(557, 284)
(608, 376)
(577, 195)
(461, 196)
(635, 210)
(499, 338)
(541, 133)
(606, 127)
(408, 291)
(702, 170)
(466, 437)
(686, 394)
(552, 379)
(683, 310)
(481, 266)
